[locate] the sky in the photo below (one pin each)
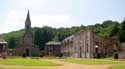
(58, 13)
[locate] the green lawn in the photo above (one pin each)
(27, 62)
(93, 61)
(117, 67)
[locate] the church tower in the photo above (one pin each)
(28, 22)
(27, 46)
(28, 37)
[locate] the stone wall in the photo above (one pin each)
(86, 44)
(122, 53)
(80, 44)
(67, 47)
(52, 50)
(33, 51)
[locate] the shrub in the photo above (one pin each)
(41, 55)
(60, 55)
(116, 56)
(4, 57)
(35, 55)
(24, 55)
(98, 55)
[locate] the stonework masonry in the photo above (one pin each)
(86, 44)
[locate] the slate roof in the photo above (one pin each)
(68, 39)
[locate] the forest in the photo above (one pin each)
(41, 35)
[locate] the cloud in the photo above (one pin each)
(43, 12)
(50, 20)
(55, 13)
(16, 20)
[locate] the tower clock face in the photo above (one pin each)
(28, 39)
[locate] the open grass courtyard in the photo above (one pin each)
(93, 61)
(56, 63)
(27, 62)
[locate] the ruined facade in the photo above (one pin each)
(109, 46)
(86, 44)
(67, 48)
(81, 44)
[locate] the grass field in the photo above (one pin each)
(93, 61)
(117, 67)
(27, 62)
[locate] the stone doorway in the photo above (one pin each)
(27, 52)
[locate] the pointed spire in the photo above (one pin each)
(28, 16)
(28, 22)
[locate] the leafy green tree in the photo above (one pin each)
(42, 36)
(122, 32)
(115, 30)
(107, 23)
(38, 37)
(46, 36)
(12, 43)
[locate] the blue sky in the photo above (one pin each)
(58, 13)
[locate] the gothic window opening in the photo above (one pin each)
(87, 48)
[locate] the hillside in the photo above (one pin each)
(106, 29)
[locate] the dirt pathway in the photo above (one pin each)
(64, 65)
(67, 65)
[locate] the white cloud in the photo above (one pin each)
(49, 20)
(54, 13)
(16, 20)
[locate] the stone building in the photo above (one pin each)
(109, 46)
(86, 44)
(27, 45)
(52, 48)
(67, 48)
(81, 44)
(3, 48)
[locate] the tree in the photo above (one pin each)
(122, 32)
(47, 36)
(123, 25)
(38, 37)
(41, 37)
(115, 30)
(12, 43)
(107, 23)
